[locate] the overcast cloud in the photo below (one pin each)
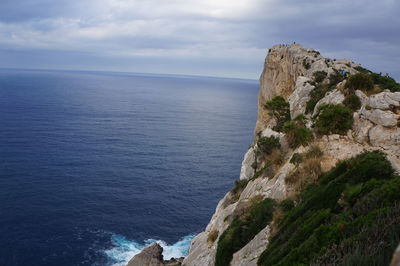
(208, 37)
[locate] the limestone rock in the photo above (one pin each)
(332, 97)
(247, 170)
(299, 98)
(379, 117)
(150, 256)
(249, 254)
(361, 128)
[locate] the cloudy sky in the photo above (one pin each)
(202, 37)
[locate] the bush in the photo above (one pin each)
(352, 102)
(320, 231)
(212, 236)
(243, 229)
(335, 78)
(359, 81)
(315, 95)
(334, 119)
(267, 144)
(306, 64)
(297, 133)
(280, 109)
(296, 159)
(319, 76)
(385, 82)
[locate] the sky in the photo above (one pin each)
(226, 38)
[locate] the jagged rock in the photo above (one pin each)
(150, 256)
(361, 128)
(332, 97)
(299, 98)
(396, 257)
(247, 170)
(282, 66)
(383, 100)
(386, 138)
(249, 254)
(379, 117)
(286, 70)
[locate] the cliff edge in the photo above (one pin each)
(320, 183)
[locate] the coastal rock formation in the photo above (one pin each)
(152, 256)
(297, 146)
(294, 72)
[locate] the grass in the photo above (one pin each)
(212, 236)
(243, 229)
(350, 216)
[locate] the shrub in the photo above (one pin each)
(276, 158)
(352, 102)
(319, 231)
(267, 144)
(280, 109)
(319, 76)
(313, 152)
(243, 229)
(306, 64)
(334, 119)
(359, 81)
(335, 78)
(297, 133)
(296, 159)
(315, 95)
(212, 236)
(385, 82)
(237, 190)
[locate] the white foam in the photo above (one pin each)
(123, 249)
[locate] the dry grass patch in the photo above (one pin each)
(212, 236)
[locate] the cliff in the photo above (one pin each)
(321, 176)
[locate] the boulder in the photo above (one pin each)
(299, 98)
(332, 97)
(247, 170)
(150, 256)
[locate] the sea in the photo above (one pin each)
(95, 166)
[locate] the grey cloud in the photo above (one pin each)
(222, 37)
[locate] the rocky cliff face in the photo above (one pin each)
(313, 112)
(296, 73)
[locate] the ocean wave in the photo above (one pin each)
(124, 249)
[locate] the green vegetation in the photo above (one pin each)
(384, 82)
(352, 102)
(296, 159)
(335, 78)
(267, 144)
(350, 216)
(280, 109)
(306, 64)
(319, 76)
(334, 119)
(237, 190)
(315, 95)
(297, 133)
(212, 236)
(359, 81)
(243, 229)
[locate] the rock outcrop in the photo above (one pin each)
(289, 72)
(152, 256)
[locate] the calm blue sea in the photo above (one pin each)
(94, 165)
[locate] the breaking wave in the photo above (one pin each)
(124, 249)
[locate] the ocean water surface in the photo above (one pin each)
(94, 166)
